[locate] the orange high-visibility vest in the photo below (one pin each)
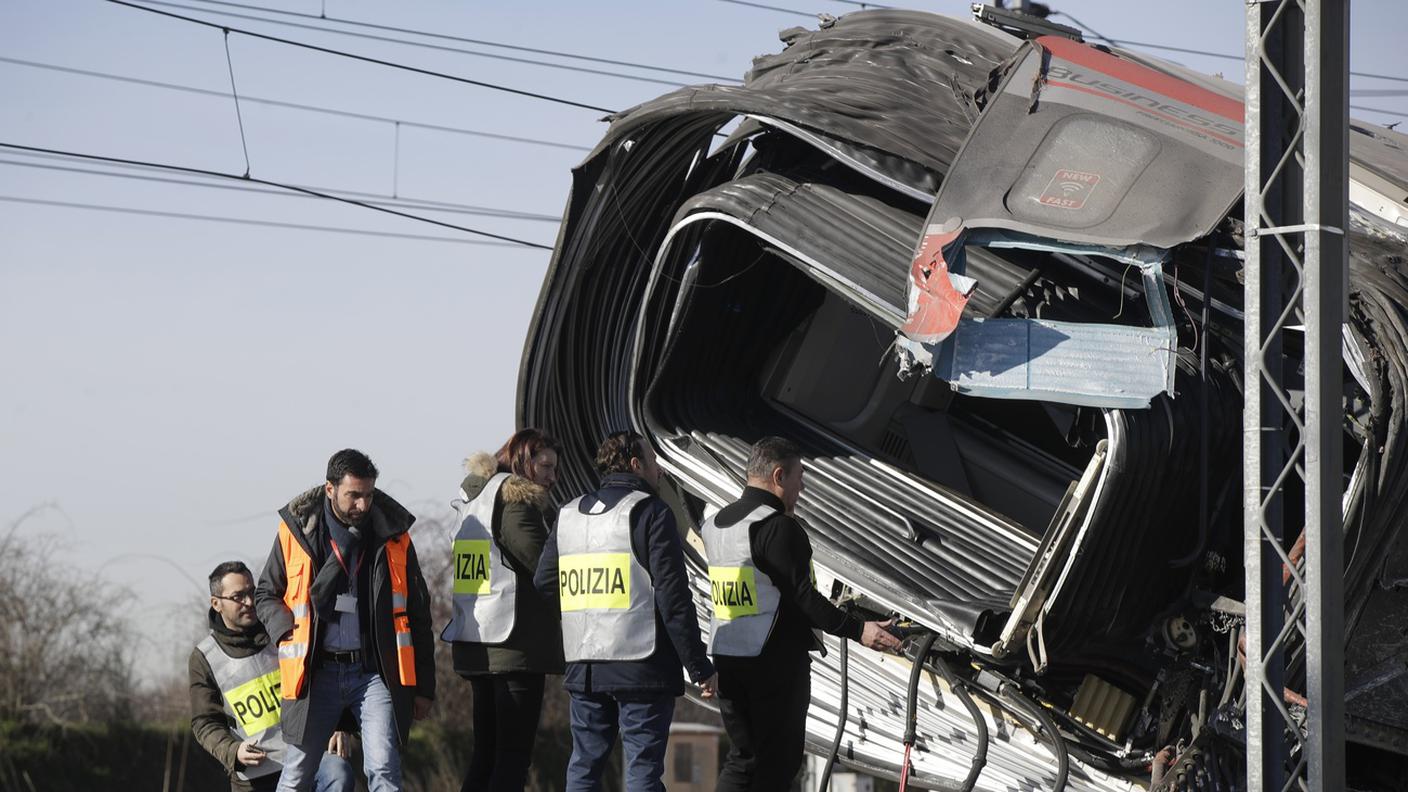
(298, 568)
(400, 590)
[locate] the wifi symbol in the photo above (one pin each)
(1070, 187)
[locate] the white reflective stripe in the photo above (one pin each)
(300, 611)
(293, 651)
(398, 601)
(403, 639)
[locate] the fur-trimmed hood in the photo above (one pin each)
(388, 517)
(481, 466)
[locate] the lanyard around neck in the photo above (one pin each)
(340, 561)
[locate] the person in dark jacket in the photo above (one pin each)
(343, 592)
(615, 563)
(520, 643)
(765, 681)
(230, 721)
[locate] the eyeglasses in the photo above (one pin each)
(246, 596)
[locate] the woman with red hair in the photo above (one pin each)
(505, 638)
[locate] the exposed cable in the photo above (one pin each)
(844, 704)
(1083, 26)
(292, 105)
(236, 94)
(367, 58)
(245, 221)
(463, 40)
(239, 186)
(290, 187)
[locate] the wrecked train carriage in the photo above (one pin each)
(1001, 312)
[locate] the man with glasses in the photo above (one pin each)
(235, 701)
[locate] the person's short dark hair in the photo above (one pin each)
(770, 453)
(217, 576)
(350, 461)
(617, 451)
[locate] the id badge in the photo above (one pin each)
(346, 603)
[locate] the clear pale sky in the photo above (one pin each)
(169, 383)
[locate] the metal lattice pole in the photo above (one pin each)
(1296, 213)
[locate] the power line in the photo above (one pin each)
(245, 221)
(1223, 55)
(388, 39)
(770, 8)
(366, 58)
(267, 182)
(463, 40)
(1378, 110)
(1087, 28)
(375, 199)
(293, 105)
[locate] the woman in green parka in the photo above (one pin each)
(505, 637)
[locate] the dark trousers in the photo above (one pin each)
(764, 702)
(642, 720)
(506, 710)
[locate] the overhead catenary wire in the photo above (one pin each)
(464, 40)
(392, 40)
(367, 58)
(235, 92)
(293, 105)
(766, 7)
(247, 221)
(371, 198)
(1121, 42)
(1192, 51)
(281, 185)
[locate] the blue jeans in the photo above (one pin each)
(643, 722)
(338, 686)
(335, 774)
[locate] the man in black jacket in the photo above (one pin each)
(766, 608)
(342, 592)
(615, 565)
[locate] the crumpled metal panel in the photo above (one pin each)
(909, 78)
(1045, 359)
(853, 241)
(1083, 146)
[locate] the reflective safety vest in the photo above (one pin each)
(250, 689)
(745, 599)
(608, 602)
(298, 568)
(485, 587)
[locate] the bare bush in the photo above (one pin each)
(67, 650)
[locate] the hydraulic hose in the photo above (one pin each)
(1204, 430)
(980, 757)
(911, 707)
(841, 719)
(1058, 743)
